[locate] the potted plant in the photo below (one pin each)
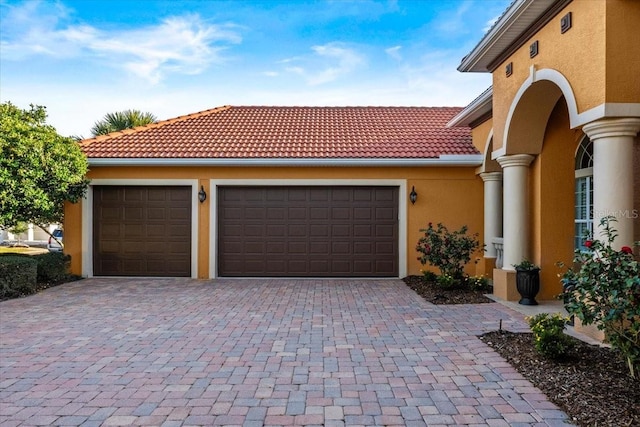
(527, 281)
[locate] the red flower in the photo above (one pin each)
(588, 243)
(626, 250)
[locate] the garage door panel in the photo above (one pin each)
(341, 213)
(385, 195)
(134, 194)
(183, 214)
(230, 213)
(363, 213)
(251, 230)
(142, 231)
(307, 231)
(319, 230)
(276, 248)
(298, 248)
(319, 213)
(231, 230)
(319, 248)
(341, 194)
(341, 248)
(362, 230)
(276, 213)
(109, 246)
(384, 214)
(320, 267)
(297, 214)
(385, 230)
(363, 248)
(112, 213)
(254, 213)
(341, 231)
(298, 230)
(279, 230)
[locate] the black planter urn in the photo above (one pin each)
(528, 285)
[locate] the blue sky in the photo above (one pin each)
(85, 58)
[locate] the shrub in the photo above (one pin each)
(18, 276)
(53, 267)
(605, 291)
(429, 276)
(448, 251)
(447, 281)
(548, 336)
(478, 283)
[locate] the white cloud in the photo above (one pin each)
(453, 21)
(180, 44)
(394, 52)
(328, 63)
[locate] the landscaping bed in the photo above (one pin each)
(592, 384)
(438, 295)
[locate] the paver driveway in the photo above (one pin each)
(256, 352)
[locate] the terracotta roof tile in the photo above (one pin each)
(292, 132)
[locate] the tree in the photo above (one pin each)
(39, 169)
(121, 120)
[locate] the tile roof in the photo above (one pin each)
(292, 132)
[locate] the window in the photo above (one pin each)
(583, 193)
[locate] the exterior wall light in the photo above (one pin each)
(202, 195)
(413, 196)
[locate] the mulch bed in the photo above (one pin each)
(592, 384)
(437, 295)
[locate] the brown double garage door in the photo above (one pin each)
(318, 231)
(293, 231)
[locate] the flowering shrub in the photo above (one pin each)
(548, 336)
(446, 281)
(449, 251)
(478, 283)
(605, 291)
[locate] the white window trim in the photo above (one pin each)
(402, 208)
(87, 217)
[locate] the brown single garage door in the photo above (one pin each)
(142, 231)
(308, 231)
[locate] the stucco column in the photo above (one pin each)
(492, 210)
(613, 175)
(515, 207)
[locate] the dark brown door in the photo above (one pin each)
(308, 231)
(142, 231)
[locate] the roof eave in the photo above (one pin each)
(466, 160)
(477, 109)
(516, 20)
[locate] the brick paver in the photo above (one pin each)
(177, 352)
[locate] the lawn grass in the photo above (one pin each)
(27, 251)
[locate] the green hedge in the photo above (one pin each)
(18, 276)
(53, 267)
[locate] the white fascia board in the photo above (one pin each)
(444, 160)
(516, 19)
(476, 109)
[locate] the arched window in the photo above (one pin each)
(584, 192)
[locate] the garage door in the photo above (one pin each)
(142, 231)
(308, 231)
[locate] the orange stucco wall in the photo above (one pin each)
(450, 195)
(552, 177)
(579, 55)
(622, 51)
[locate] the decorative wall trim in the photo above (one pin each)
(444, 160)
(402, 209)
(87, 217)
